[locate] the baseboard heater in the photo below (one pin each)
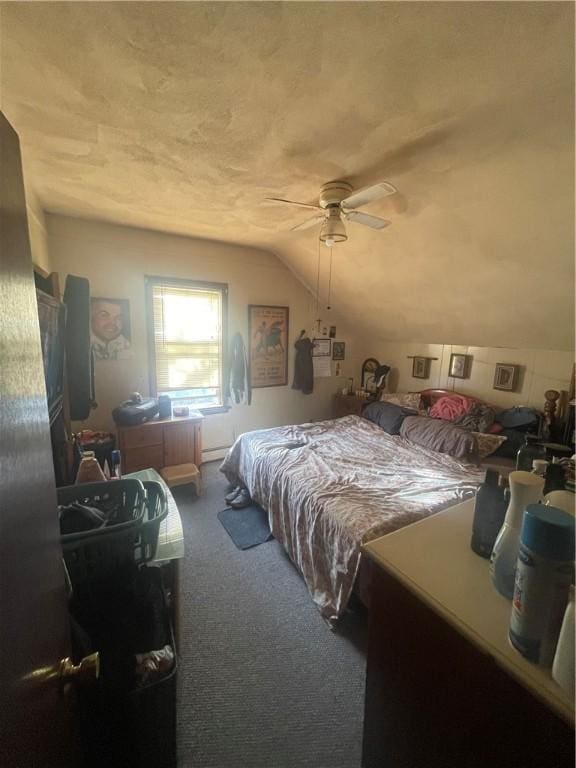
(214, 454)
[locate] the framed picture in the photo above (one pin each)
(322, 347)
(421, 367)
(338, 350)
(459, 366)
(506, 377)
(110, 335)
(268, 345)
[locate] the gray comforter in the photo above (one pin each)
(330, 486)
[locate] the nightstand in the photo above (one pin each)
(349, 405)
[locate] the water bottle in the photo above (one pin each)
(489, 511)
(543, 577)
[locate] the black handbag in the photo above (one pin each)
(131, 413)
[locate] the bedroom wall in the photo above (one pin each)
(115, 259)
(540, 370)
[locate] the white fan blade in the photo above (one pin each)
(359, 217)
(309, 223)
(367, 195)
(290, 202)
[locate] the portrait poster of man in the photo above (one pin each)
(268, 343)
(110, 328)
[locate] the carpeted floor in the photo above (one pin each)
(263, 681)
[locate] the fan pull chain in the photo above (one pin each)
(329, 281)
(318, 320)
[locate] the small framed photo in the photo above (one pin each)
(459, 366)
(322, 347)
(421, 368)
(338, 350)
(506, 377)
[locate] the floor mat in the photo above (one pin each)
(247, 527)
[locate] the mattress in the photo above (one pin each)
(330, 486)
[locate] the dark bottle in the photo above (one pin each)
(555, 478)
(489, 512)
(164, 407)
(116, 468)
(532, 449)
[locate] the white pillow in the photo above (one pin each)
(405, 399)
(488, 443)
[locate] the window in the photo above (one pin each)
(186, 330)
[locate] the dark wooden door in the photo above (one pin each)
(36, 718)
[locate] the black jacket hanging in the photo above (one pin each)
(79, 361)
(303, 366)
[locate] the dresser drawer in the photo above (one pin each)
(134, 437)
(144, 457)
(179, 444)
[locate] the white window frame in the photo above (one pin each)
(153, 281)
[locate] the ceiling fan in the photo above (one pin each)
(339, 201)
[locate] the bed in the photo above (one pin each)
(331, 486)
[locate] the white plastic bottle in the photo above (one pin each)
(525, 489)
(563, 667)
(89, 470)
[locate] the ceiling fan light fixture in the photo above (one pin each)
(333, 230)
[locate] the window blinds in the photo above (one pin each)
(187, 333)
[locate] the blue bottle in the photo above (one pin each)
(544, 573)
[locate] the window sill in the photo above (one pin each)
(213, 410)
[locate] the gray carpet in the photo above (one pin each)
(263, 681)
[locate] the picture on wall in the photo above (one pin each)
(322, 347)
(459, 366)
(338, 350)
(506, 377)
(268, 345)
(110, 332)
(421, 368)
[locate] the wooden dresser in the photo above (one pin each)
(445, 688)
(161, 443)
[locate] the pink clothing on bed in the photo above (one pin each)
(451, 407)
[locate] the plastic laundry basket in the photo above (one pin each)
(139, 508)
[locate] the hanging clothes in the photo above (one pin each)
(303, 367)
(238, 378)
(79, 356)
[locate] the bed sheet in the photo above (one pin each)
(330, 486)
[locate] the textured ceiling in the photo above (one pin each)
(184, 116)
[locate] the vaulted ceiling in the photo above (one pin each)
(183, 117)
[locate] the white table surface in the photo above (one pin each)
(170, 535)
(433, 559)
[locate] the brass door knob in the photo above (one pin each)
(87, 671)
